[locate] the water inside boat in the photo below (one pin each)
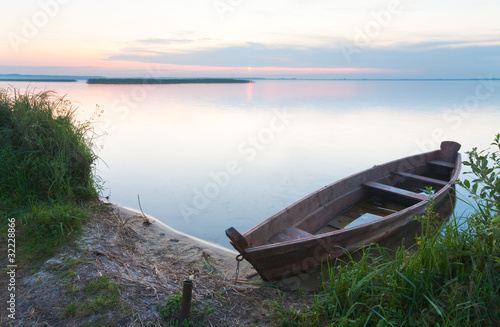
(362, 212)
(377, 206)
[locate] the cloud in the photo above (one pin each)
(422, 60)
(249, 54)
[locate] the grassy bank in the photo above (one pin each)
(46, 170)
(166, 81)
(451, 277)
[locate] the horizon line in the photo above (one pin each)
(62, 78)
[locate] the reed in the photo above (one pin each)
(451, 277)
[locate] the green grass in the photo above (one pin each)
(44, 153)
(169, 312)
(99, 296)
(46, 171)
(44, 229)
(451, 278)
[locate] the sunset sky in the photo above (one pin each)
(252, 38)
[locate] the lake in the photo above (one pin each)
(205, 157)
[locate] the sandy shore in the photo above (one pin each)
(189, 248)
(160, 237)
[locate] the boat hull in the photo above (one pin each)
(276, 260)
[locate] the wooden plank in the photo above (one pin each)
(317, 219)
(289, 234)
(396, 191)
(290, 216)
(296, 233)
(238, 241)
(334, 226)
(442, 164)
(375, 209)
(421, 178)
(448, 151)
(303, 208)
(261, 233)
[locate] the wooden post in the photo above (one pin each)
(187, 290)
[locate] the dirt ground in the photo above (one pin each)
(149, 262)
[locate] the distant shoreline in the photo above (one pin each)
(166, 81)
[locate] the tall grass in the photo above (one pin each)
(450, 278)
(46, 165)
(44, 153)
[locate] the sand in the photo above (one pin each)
(186, 248)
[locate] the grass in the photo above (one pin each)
(451, 278)
(45, 228)
(169, 312)
(99, 296)
(46, 171)
(45, 154)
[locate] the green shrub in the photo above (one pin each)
(485, 187)
(171, 307)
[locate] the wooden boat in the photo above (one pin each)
(352, 212)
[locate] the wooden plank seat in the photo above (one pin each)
(444, 164)
(424, 179)
(395, 191)
(332, 225)
(289, 234)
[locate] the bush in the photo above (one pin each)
(485, 188)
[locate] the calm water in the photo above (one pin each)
(207, 157)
